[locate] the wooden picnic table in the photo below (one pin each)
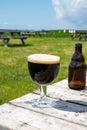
(13, 34)
(80, 36)
(69, 112)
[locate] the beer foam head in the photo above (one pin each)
(44, 59)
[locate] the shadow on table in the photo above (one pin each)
(71, 106)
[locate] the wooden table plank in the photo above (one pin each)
(61, 90)
(17, 118)
(61, 109)
(69, 111)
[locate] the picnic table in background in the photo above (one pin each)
(79, 35)
(6, 35)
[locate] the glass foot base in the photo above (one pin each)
(42, 103)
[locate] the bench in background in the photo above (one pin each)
(6, 35)
(80, 36)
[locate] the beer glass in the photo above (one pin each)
(43, 69)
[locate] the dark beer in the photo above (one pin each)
(77, 69)
(43, 68)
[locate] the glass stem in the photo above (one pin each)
(43, 91)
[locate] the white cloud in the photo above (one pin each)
(71, 12)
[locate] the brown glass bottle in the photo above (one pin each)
(77, 69)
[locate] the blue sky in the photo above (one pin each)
(43, 14)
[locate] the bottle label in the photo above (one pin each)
(75, 82)
(78, 77)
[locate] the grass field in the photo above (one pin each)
(14, 77)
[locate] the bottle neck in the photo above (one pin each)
(78, 49)
(78, 55)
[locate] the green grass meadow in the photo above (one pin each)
(14, 77)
